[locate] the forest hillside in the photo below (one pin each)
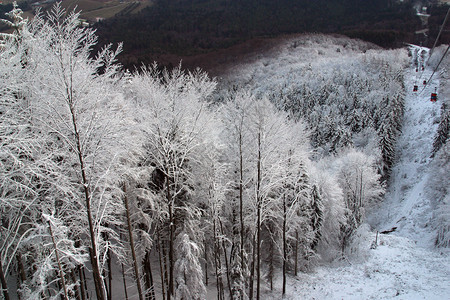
(170, 31)
(169, 184)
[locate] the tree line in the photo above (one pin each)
(149, 177)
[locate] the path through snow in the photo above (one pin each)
(404, 265)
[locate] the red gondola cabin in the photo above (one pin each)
(433, 97)
(415, 88)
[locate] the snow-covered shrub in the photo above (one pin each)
(443, 221)
(359, 245)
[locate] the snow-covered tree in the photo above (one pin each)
(21, 168)
(438, 191)
(173, 133)
(442, 134)
(267, 158)
(360, 184)
(57, 257)
(329, 246)
(236, 137)
(76, 107)
(443, 216)
(17, 23)
(189, 274)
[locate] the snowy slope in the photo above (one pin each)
(407, 206)
(404, 264)
(397, 268)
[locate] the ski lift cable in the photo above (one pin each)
(442, 58)
(440, 31)
(430, 52)
(435, 43)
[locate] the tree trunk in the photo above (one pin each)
(218, 265)
(109, 275)
(3, 281)
(22, 274)
(124, 283)
(130, 236)
(166, 266)
(163, 288)
(149, 278)
(73, 278)
(241, 200)
(87, 197)
(296, 253)
(284, 245)
(61, 273)
(82, 282)
(258, 254)
(226, 259)
(252, 268)
(170, 291)
(206, 262)
(270, 254)
(258, 226)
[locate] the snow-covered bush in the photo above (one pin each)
(443, 217)
(359, 245)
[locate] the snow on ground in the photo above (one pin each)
(404, 264)
(397, 268)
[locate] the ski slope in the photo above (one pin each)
(406, 204)
(404, 264)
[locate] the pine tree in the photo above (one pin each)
(442, 134)
(317, 216)
(189, 274)
(387, 145)
(438, 191)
